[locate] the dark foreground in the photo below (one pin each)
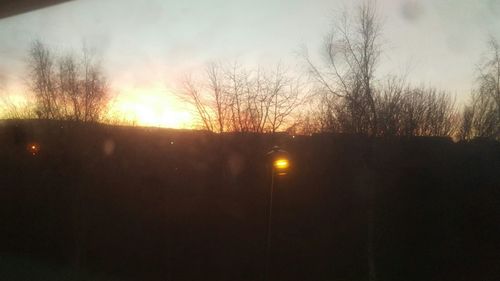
(118, 203)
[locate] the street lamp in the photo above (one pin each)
(280, 165)
(280, 160)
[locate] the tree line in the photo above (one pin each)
(353, 101)
(341, 95)
(344, 95)
(67, 86)
(231, 98)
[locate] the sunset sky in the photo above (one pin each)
(146, 47)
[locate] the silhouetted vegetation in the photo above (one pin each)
(481, 118)
(66, 87)
(351, 55)
(235, 99)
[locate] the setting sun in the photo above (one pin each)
(151, 107)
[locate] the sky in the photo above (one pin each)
(146, 47)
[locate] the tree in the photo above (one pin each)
(95, 90)
(42, 81)
(351, 53)
(390, 101)
(220, 97)
(404, 110)
(352, 102)
(427, 112)
(489, 74)
(232, 98)
(481, 118)
(346, 86)
(203, 108)
(67, 87)
(282, 96)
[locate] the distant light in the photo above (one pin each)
(33, 148)
(281, 164)
(171, 142)
(293, 137)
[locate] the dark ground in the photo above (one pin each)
(120, 203)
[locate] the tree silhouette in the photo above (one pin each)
(234, 99)
(351, 53)
(66, 87)
(481, 118)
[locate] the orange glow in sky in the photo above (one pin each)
(151, 107)
(148, 106)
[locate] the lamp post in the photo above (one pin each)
(280, 164)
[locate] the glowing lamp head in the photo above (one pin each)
(280, 161)
(281, 164)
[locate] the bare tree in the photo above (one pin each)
(191, 93)
(389, 102)
(235, 99)
(351, 101)
(42, 81)
(220, 97)
(465, 130)
(307, 122)
(489, 73)
(95, 90)
(408, 111)
(351, 53)
(237, 88)
(282, 97)
(427, 112)
(67, 87)
(481, 118)
(440, 114)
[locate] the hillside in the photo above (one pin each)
(128, 203)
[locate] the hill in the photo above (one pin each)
(128, 203)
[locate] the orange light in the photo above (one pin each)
(281, 164)
(151, 109)
(33, 148)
